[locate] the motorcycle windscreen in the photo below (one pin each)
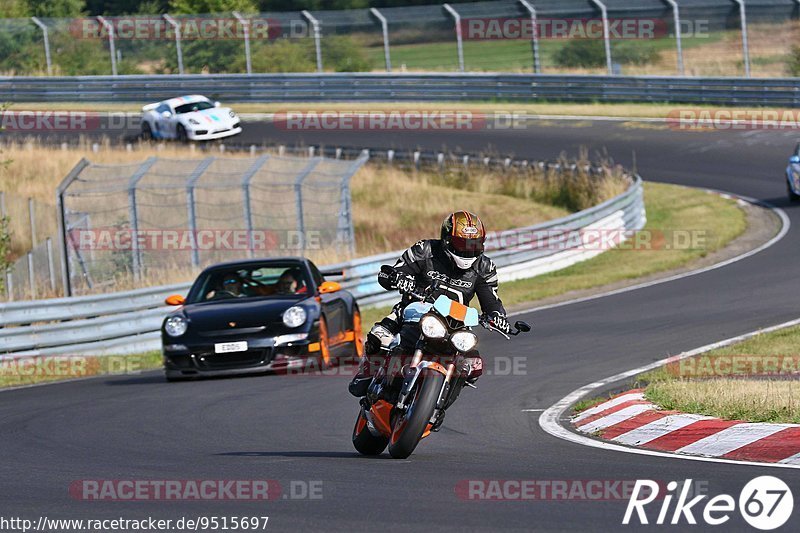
(414, 311)
(447, 307)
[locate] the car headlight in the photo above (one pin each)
(294, 316)
(232, 114)
(464, 341)
(432, 327)
(176, 326)
(194, 122)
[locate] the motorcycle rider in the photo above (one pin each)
(457, 262)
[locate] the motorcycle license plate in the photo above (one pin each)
(229, 347)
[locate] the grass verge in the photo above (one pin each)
(755, 380)
(670, 209)
(42, 369)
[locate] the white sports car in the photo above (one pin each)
(186, 118)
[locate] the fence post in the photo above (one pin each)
(110, 29)
(45, 35)
(175, 26)
(50, 264)
(31, 276)
(606, 34)
(198, 171)
(298, 196)
(248, 213)
(2, 204)
(459, 41)
(317, 36)
(32, 219)
(9, 286)
(134, 214)
(745, 46)
(385, 29)
(679, 49)
(246, 30)
(537, 67)
(63, 230)
(345, 231)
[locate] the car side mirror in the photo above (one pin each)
(795, 160)
(217, 104)
(524, 327)
(175, 299)
(166, 114)
(328, 287)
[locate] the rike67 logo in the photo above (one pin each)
(765, 503)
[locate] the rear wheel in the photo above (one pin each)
(365, 442)
(408, 429)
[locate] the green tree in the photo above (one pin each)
(14, 9)
(212, 6)
(56, 8)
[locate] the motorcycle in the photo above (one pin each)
(406, 402)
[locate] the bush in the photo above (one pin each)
(793, 61)
(586, 53)
(633, 53)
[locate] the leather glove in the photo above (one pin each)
(406, 283)
(499, 320)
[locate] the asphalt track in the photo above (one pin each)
(298, 428)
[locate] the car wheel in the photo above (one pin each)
(147, 132)
(358, 336)
(790, 193)
(324, 344)
(181, 133)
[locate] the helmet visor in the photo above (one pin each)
(467, 248)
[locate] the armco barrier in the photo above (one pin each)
(127, 322)
(405, 87)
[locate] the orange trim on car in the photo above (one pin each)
(313, 347)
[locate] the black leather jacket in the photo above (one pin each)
(427, 260)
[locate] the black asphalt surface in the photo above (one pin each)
(298, 428)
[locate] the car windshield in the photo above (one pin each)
(251, 281)
(194, 106)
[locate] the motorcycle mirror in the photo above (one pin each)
(524, 327)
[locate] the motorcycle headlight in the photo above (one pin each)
(294, 317)
(194, 122)
(464, 341)
(432, 327)
(176, 326)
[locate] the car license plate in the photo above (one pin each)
(228, 347)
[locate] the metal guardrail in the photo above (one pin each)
(406, 87)
(130, 321)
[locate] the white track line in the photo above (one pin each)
(550, 420)
(616, 417)
(608, 405)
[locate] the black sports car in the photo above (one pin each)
(260, 315)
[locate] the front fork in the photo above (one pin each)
(411, 375)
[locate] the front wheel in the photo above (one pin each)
(364, 441)
(181, 134)
(408, 429)
(791, 194)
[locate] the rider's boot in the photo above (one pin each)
(378, 340)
